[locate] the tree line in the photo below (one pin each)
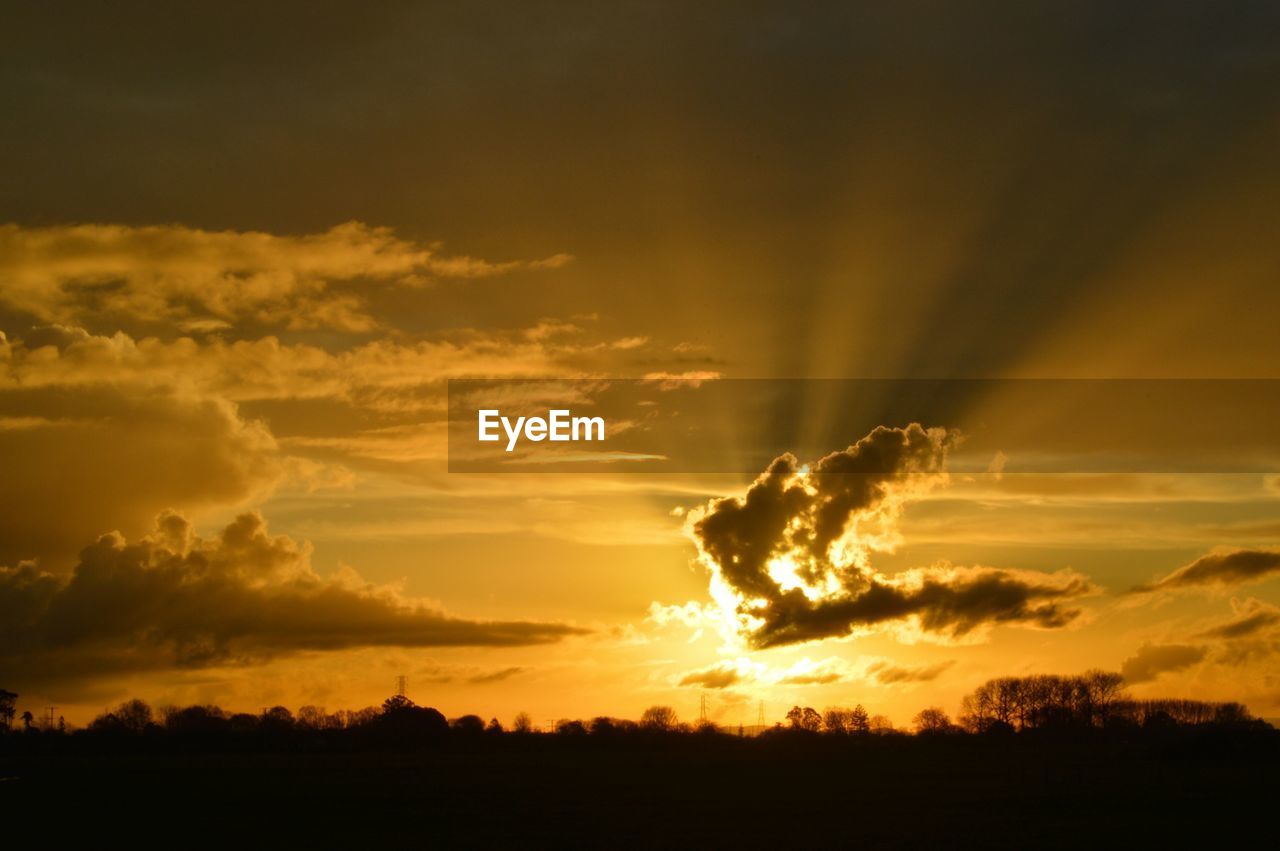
(1093, 700)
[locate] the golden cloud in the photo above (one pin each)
(205, 280)
(175, 600)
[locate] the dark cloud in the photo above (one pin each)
(793, 552)
(174, 600)
(1253, 635)
(1225, 567)
(1152, 660)
(948, 601)
(496, 676)
(887, 673)
(441, 674)
(818, 677)
(718, 676)
(1253, 617)
(1245, 651)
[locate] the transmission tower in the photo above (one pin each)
(702, 710)
(760, 717)
(402, 683)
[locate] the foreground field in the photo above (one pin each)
(910, 793)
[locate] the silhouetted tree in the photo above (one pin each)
(1155, 714)
(242, 723)
(836, 720)
(806, 719)
(846, 721)
(494, 728)
(880, 725)
(396, 703)
(357, 718)
(8, 707)
(1105, 689)
(27, 720)
(522, 723)
(932, 720)
(134, 715)
(1092, 699)
(1232, 714)
(194, 720)
(660, 718)
(859, 721)
(277, 720)
(467, 725)
(411, 721)
(315, 718)
(570, 727)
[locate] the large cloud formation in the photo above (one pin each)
(790, 560)
(103, 458)
(204, 421)
(1220, 568)
(173, 599)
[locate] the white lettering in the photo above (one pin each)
(559, 420)
(587, 423)
(513, 434)
(487, 421)
(559, 426)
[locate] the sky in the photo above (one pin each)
(243, 248)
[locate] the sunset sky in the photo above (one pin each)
(243, 247)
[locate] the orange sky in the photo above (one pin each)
(241, 253)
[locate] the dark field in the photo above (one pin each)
(906, 793)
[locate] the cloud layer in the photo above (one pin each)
(790, 560)
(173, 599)
(201, 421)
(211, 279)
(1221, 568)
(806, 672)
(1152, 660)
